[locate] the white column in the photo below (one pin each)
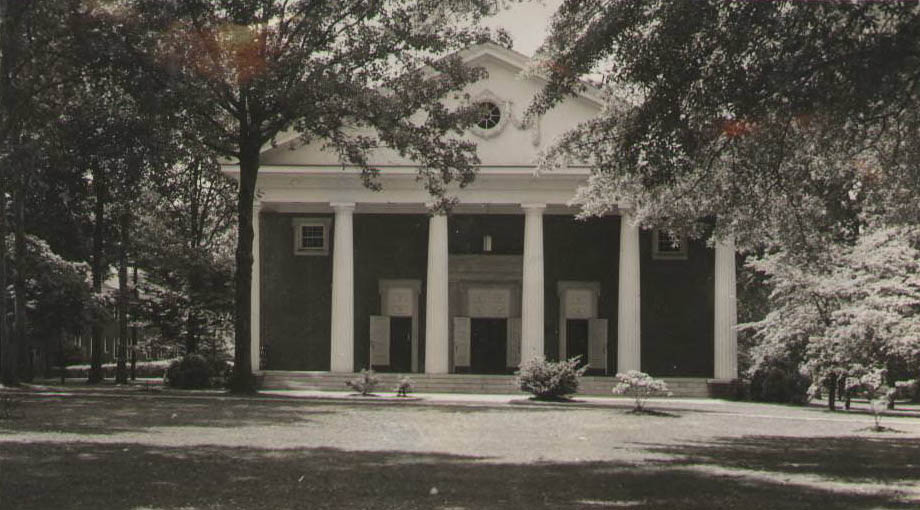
(255, 303)
(343, 290)
(436, 313)
(532, 325)
(726, 312)
(629, 346)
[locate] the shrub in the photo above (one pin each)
(404, 387)
(365, 383)
(640, 386)
(550, 380)
(780, 384)
(191, 372)
(878, 393)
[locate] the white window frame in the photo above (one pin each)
(487, 96)
(657, 254)
(299, 223)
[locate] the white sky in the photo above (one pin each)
(527, 22)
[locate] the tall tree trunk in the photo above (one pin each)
(62, 359)
(121, 375)
(193, 276)
(191, 326)
(832, 392)
(10, 11)
(99, 267)
(8, 354)
(19, 280)
(134, 313)
(243, 380)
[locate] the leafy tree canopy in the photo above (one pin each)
(357, 74)
(245, 71)
(860, 311)
(789, 122)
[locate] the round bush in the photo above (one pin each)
(192, 371)
(778, 384)
(550, 380)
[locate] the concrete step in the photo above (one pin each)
(458, 383)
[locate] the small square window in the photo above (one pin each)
(668, 246)
(311, 236)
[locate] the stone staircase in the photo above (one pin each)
(457, 383)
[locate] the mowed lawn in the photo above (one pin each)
(213, 452)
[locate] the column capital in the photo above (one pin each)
(628, 216)
(342, 206)
(533, 208)
(440, 212)
(726, 243)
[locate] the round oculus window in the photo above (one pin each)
(491, 115)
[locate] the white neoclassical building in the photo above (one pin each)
(347, 278)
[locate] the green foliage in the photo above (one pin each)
(404, 386)
(874, 386)
(365, 384)
(856, 307)
(640, 386)
(783, 120)
(194, 372)
(58, 294)
(550, 380)
(779, 383)
(185, 241)
(37, 39)
(351, 74)
(793, 126)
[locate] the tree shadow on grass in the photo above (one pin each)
(126, 475)
(846, 459)
(87, 415)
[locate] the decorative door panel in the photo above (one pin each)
(380, 340)
(597, 343)
(488, 302)
(580, 303)
(514, 342)
(461, 341)
(400, 301)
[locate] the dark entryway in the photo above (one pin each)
(401, 344)
(576, 339)
(488, 346)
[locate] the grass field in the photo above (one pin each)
(206, 451)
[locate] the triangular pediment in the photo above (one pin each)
(506, 140)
